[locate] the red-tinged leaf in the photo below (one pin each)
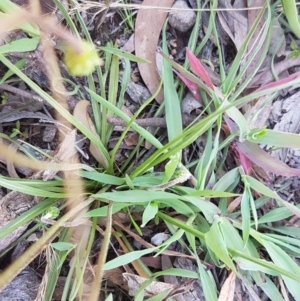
(265, 160)
(244, 160)
(280, 82)
(197, 68)
(191, 86)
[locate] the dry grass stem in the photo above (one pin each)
(90, 4)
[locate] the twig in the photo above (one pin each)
(20, 92)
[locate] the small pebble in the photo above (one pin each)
(138, 93)
(23, 287)
(182, 20)
(159, 238)
(189, 104)
(49, 133)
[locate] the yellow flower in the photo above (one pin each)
(84, 63)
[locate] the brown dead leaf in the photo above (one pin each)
(129, 45)
(234, 22)
(234, 204)
(252, 15)
(10, 165)
(115, 276)
(278, 36)
(132, 139)
(228, 288)
(134, 282)
(153, 262)
(266, 76)
(148, 26)
(80, 113)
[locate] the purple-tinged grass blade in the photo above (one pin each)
(266, 161)
(244, 160)
(280, 82)
(187, 74)
(197, 68)
(190, 85)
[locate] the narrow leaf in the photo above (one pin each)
(277, 138)
(209, 289)
(126, 259)
(194, 89)
(265, 160)
(247, 265)
(246, 163)
(215, 241)
(245, 208)
(135, 196)
(280, 81)
(21, 45)
(281, 259)
(259, 187)
(149, 213)
(271, 290)
(291, 13)
(197, 68)
(125, 55)
(102, 178)
(171, 100)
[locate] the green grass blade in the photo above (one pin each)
(277, 138)
(102, 178)
(259, 187)
(126, 259)
(27, 216)
(215, 241)
(208, 286)
(230, 82)
(291, 13)
(281, 259)
(171, 101)
(271, 290)
(124, 55)
(126, 118)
